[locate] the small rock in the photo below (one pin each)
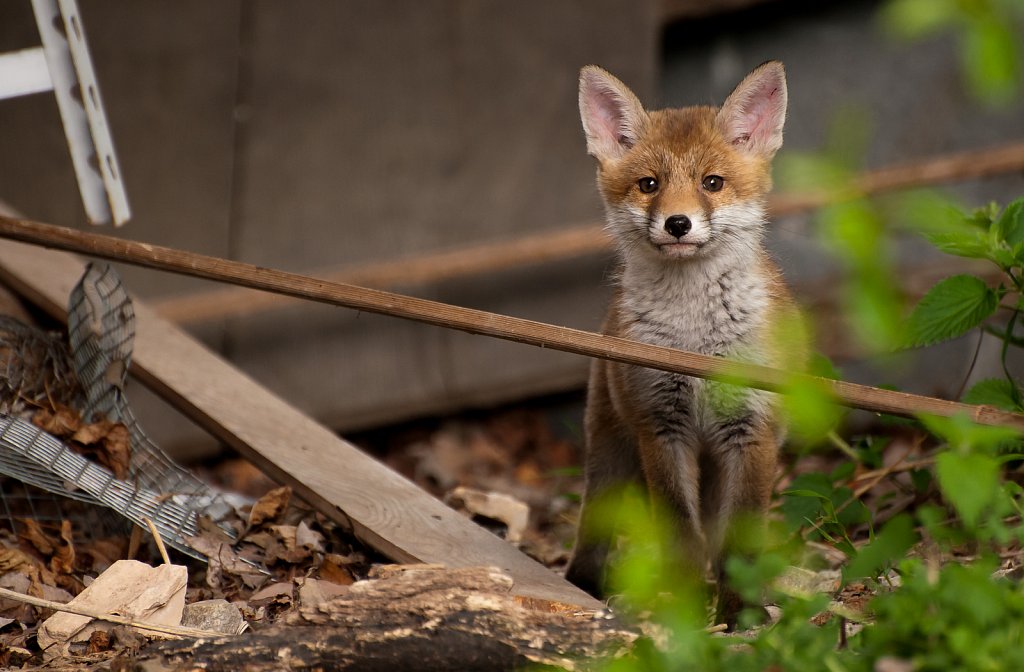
(215, 616)
(799, 580)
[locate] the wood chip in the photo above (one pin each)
(128, 588)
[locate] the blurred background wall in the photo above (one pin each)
(316, 135)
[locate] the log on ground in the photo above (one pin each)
(416, 619)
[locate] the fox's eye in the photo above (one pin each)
(648, 185)
(713, 183)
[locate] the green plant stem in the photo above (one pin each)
(970, 369)
(1014, 340)
(1005, 349)
(842, 445)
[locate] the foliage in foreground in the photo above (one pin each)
(940, 600)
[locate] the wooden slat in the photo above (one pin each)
(382, 508)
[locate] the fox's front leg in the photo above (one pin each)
(672, 469)
(611, 464)
(743, 453)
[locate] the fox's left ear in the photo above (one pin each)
(753, 114)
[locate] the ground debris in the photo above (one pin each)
(415, 618)
(513, 514)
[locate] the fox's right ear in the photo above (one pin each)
(613, 118)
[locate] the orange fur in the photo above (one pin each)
(684, 191)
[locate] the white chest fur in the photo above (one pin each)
(704, 306)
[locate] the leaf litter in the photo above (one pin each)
(522, 460)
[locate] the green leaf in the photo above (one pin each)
(806, 499)
(998, 392)
(921, 478)
(875, 309)
(1002, 255)
(944, 225)
(1010, 225)
(916, 18)
(990, 55)
(820, 365)
(966, 436)
(804, 171)
(889, 545)
(950, 309)
(810, 409)
(983, 217)
(970, 483)
(967, 243)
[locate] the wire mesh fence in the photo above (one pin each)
(87, 372)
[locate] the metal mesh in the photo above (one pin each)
(101, 327)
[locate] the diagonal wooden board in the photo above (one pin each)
(382, 508)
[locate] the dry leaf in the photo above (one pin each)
(63, 560)
(224, 562)
(335, 573)
(313, 593)
(263, 539)
(285, 533)
(117, 451)
(270, 506)
(495, 506)
(62, 423)
(109, 443)
(99, 641)
(306, 537)
(272, 592)
(33, 533)
(60, 553)
(92, 433)
(15, 560)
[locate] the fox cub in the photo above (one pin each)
(684, 192)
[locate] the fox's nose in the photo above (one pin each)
(677, 225)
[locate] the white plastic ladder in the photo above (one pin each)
(62, 65)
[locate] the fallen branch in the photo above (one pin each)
(489, 324)
(573, 241)
(168, 630)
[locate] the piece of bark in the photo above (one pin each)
(461, 619)
(129, 588)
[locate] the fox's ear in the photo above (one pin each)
(752, 116)
(613, 118)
